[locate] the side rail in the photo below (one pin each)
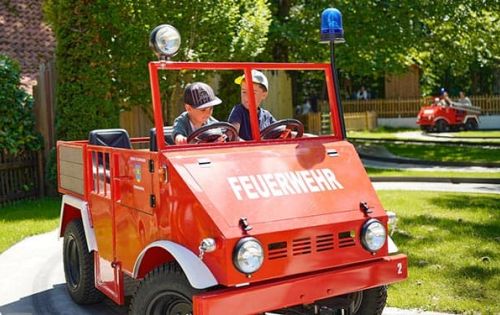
(100, 170)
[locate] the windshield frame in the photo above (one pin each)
(246, 67)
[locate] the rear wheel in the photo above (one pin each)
(79, 265)
(471, 124)
(442, 126)
(165, 290)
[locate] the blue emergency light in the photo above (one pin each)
(331, 26)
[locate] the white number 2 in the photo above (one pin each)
(399, 268)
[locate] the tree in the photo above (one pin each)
(387, 36)
(102, 52)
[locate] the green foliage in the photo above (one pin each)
(17, 125)
(454, 38)
(103, 52)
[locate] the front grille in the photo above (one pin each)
(301, 246)
(346, 239)
(324, 242)
(277, 250)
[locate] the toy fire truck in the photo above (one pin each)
(441, 116)
(282, 224)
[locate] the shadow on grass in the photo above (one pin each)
(39, 209)
(466, 202)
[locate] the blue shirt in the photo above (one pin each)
(241, 115)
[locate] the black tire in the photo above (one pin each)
(471, 124)
(372, 301)
(165, 290)
(442, 126)
(425, 128)
(79, 265)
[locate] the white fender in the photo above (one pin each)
(197, 273)
(471, 117)
(441, 117)
(84, 210)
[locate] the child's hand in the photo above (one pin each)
(221, 138)
(180, 139)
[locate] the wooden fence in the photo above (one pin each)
(390, 108)
(319, 123)
(21, 176)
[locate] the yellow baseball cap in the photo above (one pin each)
(257, 77)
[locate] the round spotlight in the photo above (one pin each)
(165, 40)
(373, 235)
(248, 255)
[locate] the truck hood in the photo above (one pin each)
(278, 185)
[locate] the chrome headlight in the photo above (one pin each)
(248, 255)
(373, 235)
(165, 40)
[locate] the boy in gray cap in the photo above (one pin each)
(240, 116)
(199, 100)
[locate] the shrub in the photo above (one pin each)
(17, 124)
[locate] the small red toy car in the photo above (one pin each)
(281, 224)
(441, 117)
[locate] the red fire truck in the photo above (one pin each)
(443, 117)
(286, 223)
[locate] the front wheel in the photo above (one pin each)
(442, 126)
(371, 301)
(367, 302)
(165, 290)
(79, 265)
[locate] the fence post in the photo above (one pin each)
(41, 176)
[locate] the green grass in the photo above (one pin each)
(453, 245)
(391, 133)
(476, 134)
(375, 172)
(445, 153)
(27, 218)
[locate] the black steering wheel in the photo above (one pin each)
(212, 132)
(283, 129)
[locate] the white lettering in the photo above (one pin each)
(235, 186)
(273, 186)
(248, 187)
(261, 187)
(309, 181)
(332, 179)
(296, 182)
(321, 180)
(283, 184)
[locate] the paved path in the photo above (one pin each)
(33, 282)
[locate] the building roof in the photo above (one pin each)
(25, 37)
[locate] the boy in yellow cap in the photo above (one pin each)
(240, 116)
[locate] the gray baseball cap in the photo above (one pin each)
(200, 95)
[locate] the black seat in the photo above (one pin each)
(167, 131)
(116, 138)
